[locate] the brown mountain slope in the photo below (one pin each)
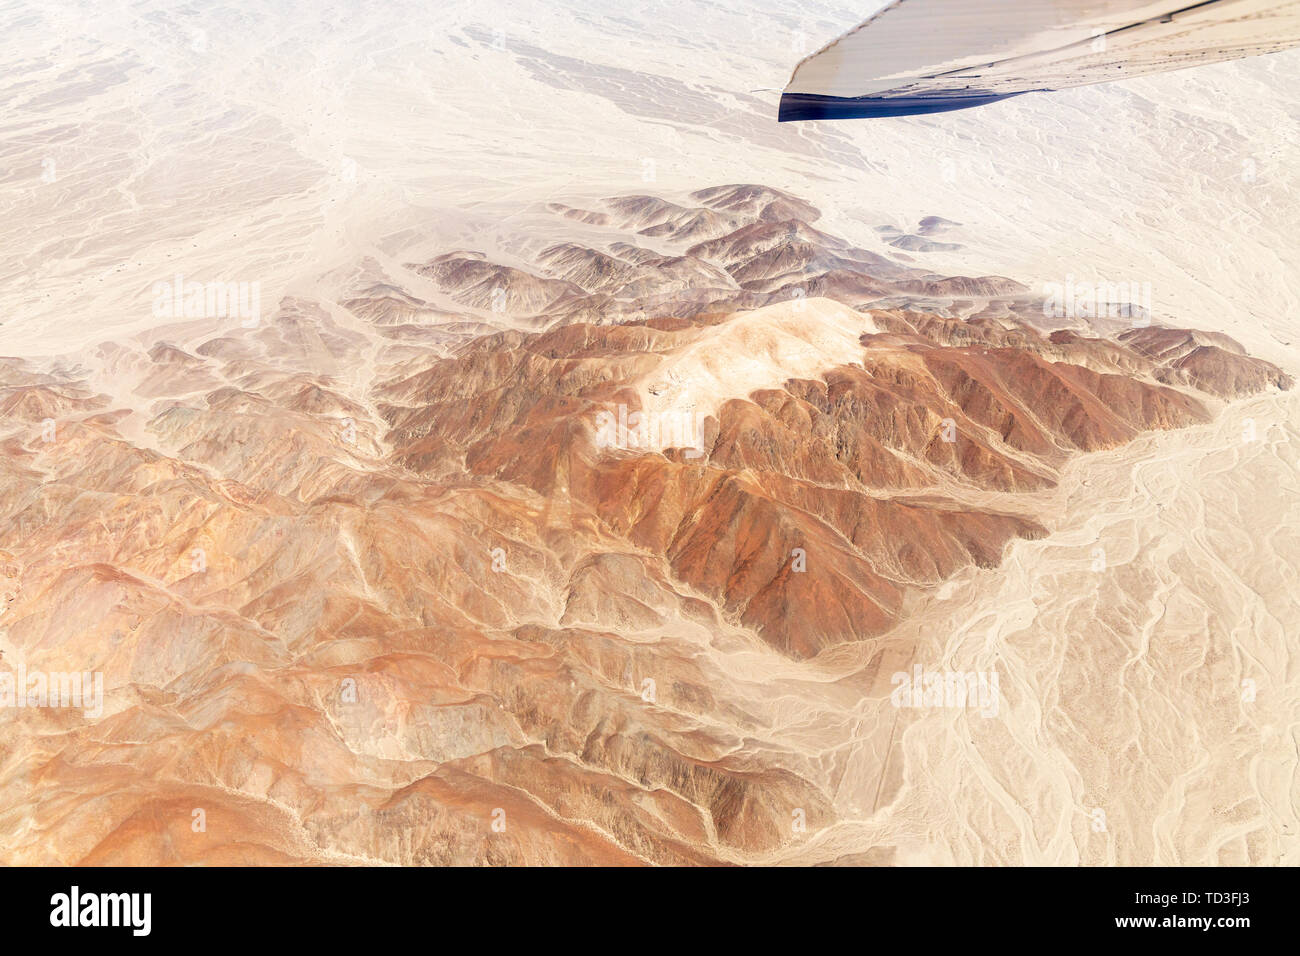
(387, 580)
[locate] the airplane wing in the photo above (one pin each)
(930, 56)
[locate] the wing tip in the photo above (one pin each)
(795, 107)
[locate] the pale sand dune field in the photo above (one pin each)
(1123, 689)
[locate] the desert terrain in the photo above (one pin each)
(386, 571)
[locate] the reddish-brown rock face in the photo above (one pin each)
(379, 573)
(853, 467)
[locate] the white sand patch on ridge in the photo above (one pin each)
(763, 348)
